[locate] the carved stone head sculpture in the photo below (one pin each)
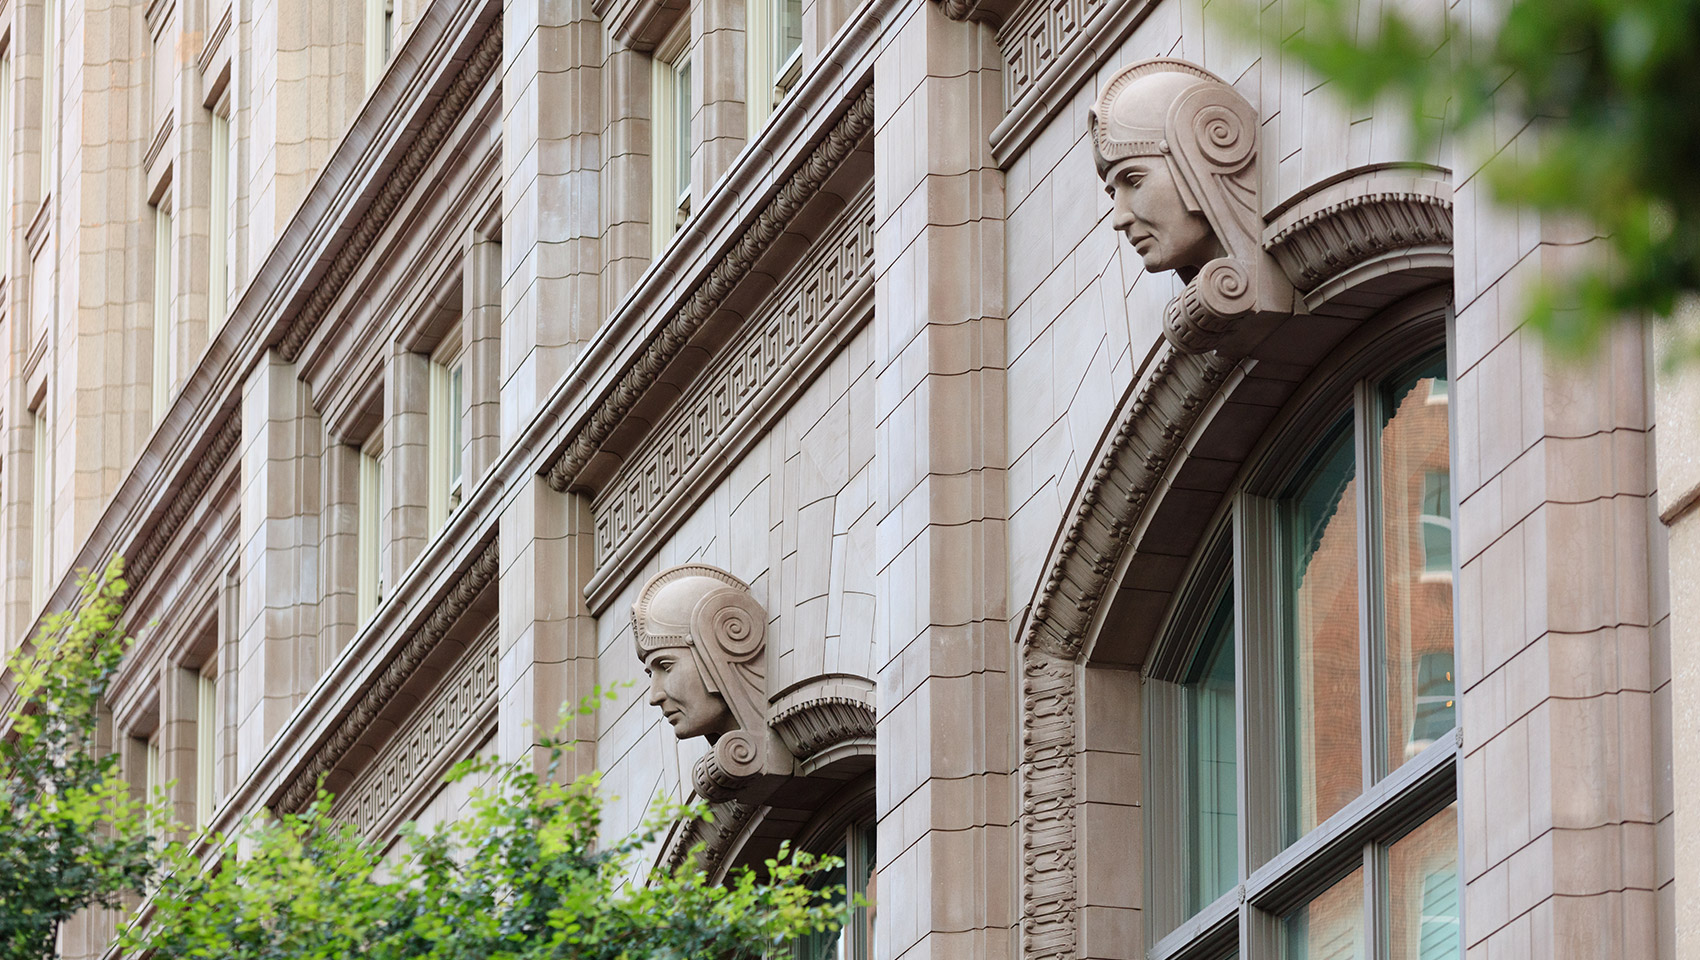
(703, 641)
(1177, 149)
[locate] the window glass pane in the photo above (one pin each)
(855, 940)
(682, 130)
(1423, 888)
(1324, 763)
(787, 35)
(1330, 927)
(1212, 814)
(1416, 556)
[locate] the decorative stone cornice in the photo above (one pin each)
(814, 726)
(666, 343)
(483, 61)
(184, 500)
(434, 736)
(1350, 231)
(788, 327)
(397, 672)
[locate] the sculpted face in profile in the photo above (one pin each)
(1156, 208)
(1150, 213)
(676, 685)
(701, 638)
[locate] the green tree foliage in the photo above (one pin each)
(71, 833)
(1608, 88)
(521, 875)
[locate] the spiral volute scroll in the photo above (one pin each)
(1224, 291)
(734, 622)
(1223, 136)
(735, 761)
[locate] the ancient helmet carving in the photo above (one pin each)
(1187, 128)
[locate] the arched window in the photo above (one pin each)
(1300, 711)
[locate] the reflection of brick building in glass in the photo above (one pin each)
(1410, 604)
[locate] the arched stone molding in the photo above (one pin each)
(1159, 473)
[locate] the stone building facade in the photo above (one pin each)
(438, 363)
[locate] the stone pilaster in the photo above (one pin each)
(718, 78)
(407, 461)
(551, 215)
(626, 172)
(339, 548)
(548, 637)
(305, 73)
(942, 647)
(279, 615)
(481, 364)
(1561, 642)
(179, 705)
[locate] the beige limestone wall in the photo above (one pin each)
(1562, 662)
(946, 744)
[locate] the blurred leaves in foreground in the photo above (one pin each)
(1604, 96)
(72, 833)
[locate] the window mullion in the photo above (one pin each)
(1375, 910)
(1369, 592)
(1259, 669)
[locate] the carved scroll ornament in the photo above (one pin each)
(1177, 149)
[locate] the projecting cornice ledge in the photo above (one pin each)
(661, 348)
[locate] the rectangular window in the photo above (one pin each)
(1412, 457)
(446, 419)
(370, 588)
(380, 38)
(218, 235)
(164, 279)
(1330, 927)
(206, 746)
(774, 56)
(41, 497)
(1324, 768)
(671, 140)
(152, 785)
(1210, 748)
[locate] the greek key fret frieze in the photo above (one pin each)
(786, 325)
(467, 694)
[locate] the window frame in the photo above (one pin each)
(164, 285)
(447, 423)
(371, 500)
(672, 105)
(1275, 876)
(221, 200)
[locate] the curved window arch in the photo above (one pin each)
(1300, 702)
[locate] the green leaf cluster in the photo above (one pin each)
(522, 874)
(72, 834)
(1603, 97)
